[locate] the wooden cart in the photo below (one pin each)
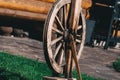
(64, 37)
(64, 29)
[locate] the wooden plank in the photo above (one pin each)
(23, 14)
(56, 78)
(37, 3)
(51, 1)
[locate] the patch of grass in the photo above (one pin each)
(19, 68)
(116, 64)
(84, 76)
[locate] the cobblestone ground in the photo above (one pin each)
(95, 61)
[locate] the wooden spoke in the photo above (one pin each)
(57, 50)
(78, 41)
(56, 40)
(61, 57)
(58, 31)
(57, 19)
(78, 35)
(68, 63)
(64, 16)
(79, 27)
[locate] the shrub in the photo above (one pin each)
(116, 64)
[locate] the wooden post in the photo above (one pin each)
(74, 54)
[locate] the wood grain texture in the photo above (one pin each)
(22, 14)
(51, 1)
(56, 78)
(26, 7)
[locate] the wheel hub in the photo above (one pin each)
(66, 34)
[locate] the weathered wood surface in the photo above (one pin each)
(22, 14)
(36, 3)
(86, 4)
(31, 9)
(56, 78)
(36, 6)
(27, 9)
(51, 1)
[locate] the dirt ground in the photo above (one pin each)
(95, 61)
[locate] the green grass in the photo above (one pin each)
(19, 68)
(116, 64)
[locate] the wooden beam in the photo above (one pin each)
(51, 1)
(22, 14)
(25, 7)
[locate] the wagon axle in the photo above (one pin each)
(67, 33)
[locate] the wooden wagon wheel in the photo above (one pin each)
(56, 35)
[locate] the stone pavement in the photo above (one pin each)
(98, 62)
